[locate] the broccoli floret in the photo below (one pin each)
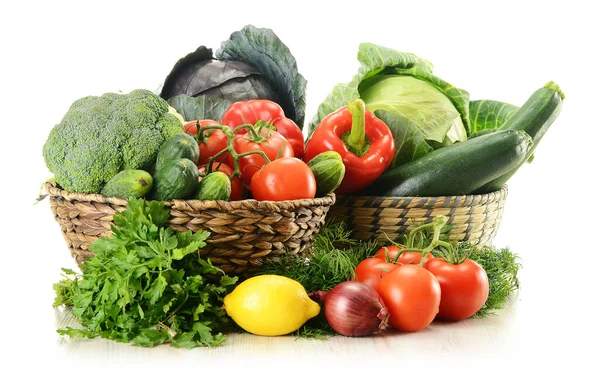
(102, 135)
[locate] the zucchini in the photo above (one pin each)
(534, 117)
(456, 169)
(329, 170)
(177, 179)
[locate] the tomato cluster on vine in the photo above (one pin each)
(418, 288)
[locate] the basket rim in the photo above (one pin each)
(54, 190)
(501, 191)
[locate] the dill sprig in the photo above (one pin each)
(332, 260)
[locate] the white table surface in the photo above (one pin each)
(498, 51)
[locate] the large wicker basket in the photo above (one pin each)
(244, 234)
(473, 218)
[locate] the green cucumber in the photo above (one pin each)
(329, 170)
(128, 183)
(175, 147)
(457, 169)
(177, 179)
(215, 186)
(534, 117)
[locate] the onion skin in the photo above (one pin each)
(353, 309)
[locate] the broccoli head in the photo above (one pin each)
(102, 135)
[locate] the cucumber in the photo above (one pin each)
(215, 186)
(457, 169)
(175, 147)
(128, 183)
(534, 117)
(177, 179)
(329, 170)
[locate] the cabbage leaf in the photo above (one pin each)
(489, 115)
(201, 107)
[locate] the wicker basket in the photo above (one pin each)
(243, 233)
(473, 218)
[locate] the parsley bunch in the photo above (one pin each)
(147, 284)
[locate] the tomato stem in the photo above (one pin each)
(200, 136)
(259, 152)
(437, 224)
(230, 133)
(255, 135)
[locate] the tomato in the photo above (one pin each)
(212, 141)
(465, 288)
(412, 295)
(273, 146)
(284, 179)
(405, 258)
(371, 270)
(237, 187)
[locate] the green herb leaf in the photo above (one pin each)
(333, 259)
(156, 289)
(150, 337)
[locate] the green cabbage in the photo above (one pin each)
(417, 100)
(423, 111)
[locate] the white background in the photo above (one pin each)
(55, 52)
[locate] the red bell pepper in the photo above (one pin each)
(364, 141)
(252, 111)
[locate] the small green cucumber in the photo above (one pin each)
(215, 186)
(177, 146)
(128, 183)
(329, 170)
(177, 179)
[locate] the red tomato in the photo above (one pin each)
(237, 187)
(211, 143)
(274, 145)
(284, 179)
(405, 258)
(371, 270)
(412, 295)
(465, 288)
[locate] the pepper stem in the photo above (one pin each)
(356, 140)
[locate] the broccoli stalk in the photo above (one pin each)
(100, 136)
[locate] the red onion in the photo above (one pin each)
(353, 309)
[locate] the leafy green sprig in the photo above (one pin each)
(147, 284)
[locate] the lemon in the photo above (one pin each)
(270, 305)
